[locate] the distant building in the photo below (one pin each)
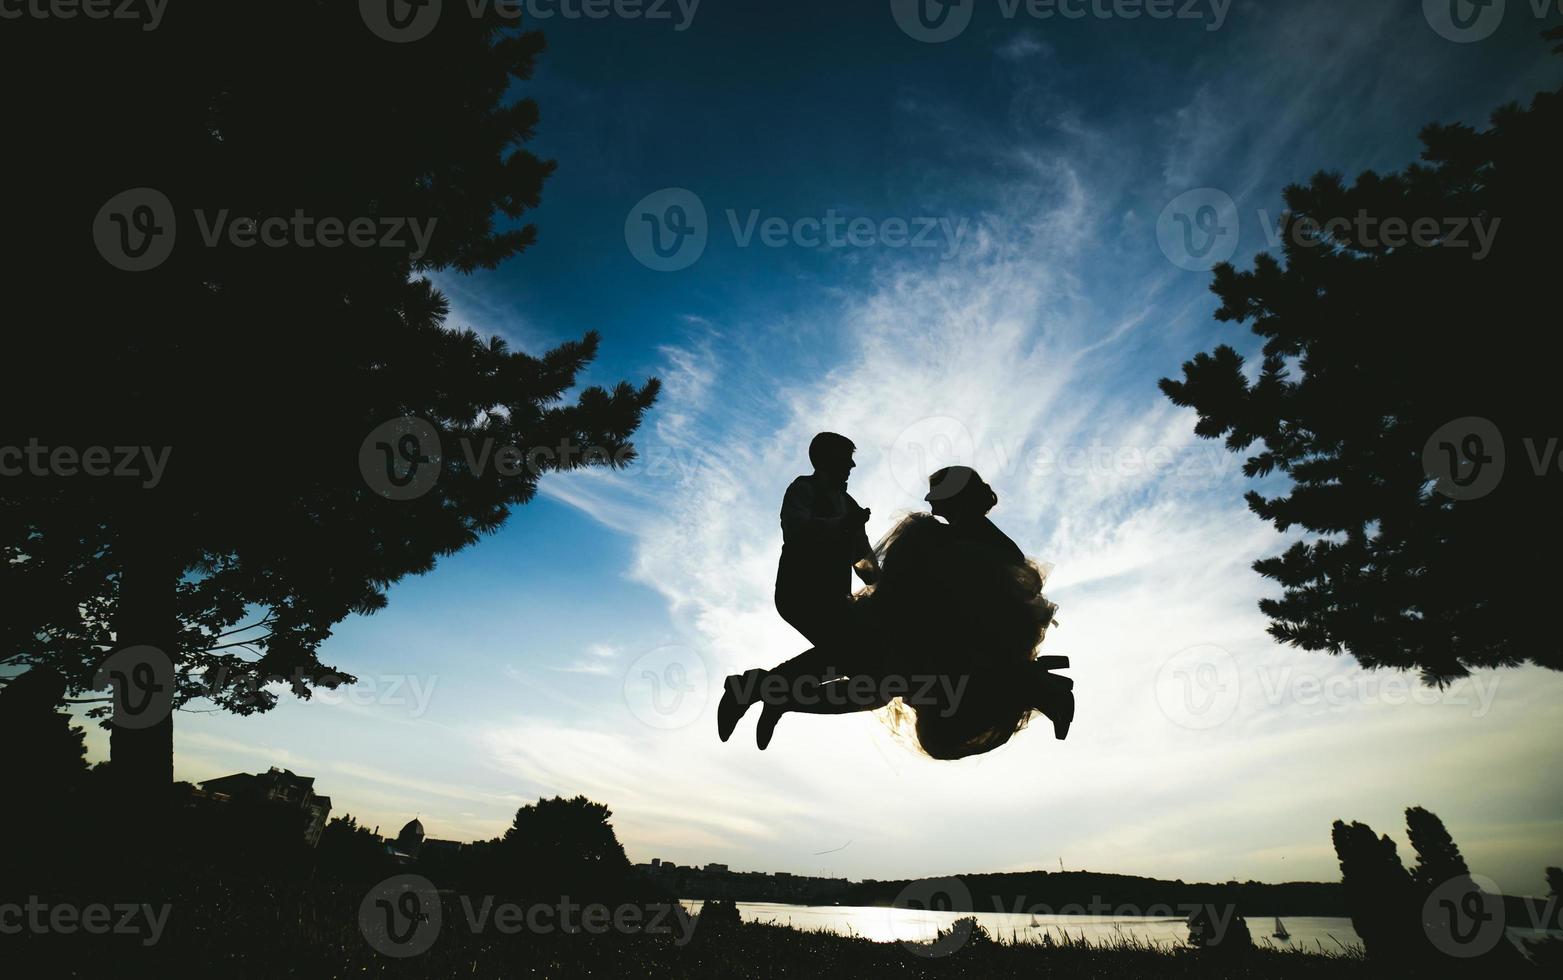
(409, 843)
(277, 786)
(716, 869)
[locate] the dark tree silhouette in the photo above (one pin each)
(1547, 953)
(1402, 922)
(1369, 350)
(256, 356)
(561, 847)
(718, 915)
(1438, 859)
(45, 764)
(43, 751)
(349, 849)
(1206, 932)
(1380, 896)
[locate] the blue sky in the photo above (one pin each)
(580, 648)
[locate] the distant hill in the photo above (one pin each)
(1091, 893)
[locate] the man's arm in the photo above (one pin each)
(867, 565)
(797, 515)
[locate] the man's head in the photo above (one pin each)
(831, 455)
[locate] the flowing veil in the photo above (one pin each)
(949, 607)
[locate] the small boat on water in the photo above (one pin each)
(1280, 930)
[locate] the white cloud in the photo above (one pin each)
(1003, 359)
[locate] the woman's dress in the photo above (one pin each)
(964, 605)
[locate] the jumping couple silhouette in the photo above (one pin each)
(944, 633)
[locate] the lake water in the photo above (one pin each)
(1313, 933)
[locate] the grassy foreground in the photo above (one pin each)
(312, 930)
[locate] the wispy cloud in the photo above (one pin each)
(1023, 45)
(597, 659)
(1011, 358)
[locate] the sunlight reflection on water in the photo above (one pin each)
(1331, 935)
(1314, 933)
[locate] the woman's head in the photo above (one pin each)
(958, 493)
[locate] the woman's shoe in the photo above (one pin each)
(739, 692)
(1063, 715)
(1055, 698)
(767, 726)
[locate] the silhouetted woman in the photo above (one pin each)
(946, 639)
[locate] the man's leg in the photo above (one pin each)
(822, 619)
(835, 676)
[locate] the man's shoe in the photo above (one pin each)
(738, 694)
(767, 726)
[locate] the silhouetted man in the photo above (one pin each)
(822, 541)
